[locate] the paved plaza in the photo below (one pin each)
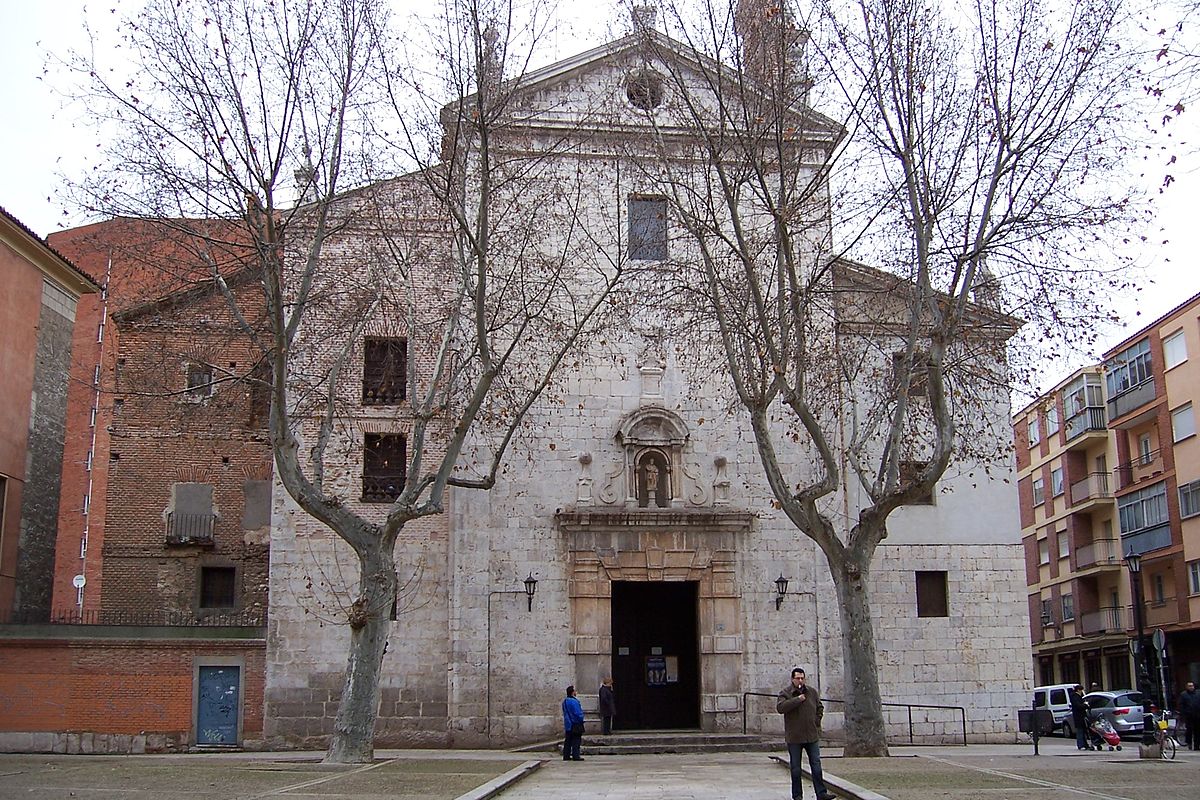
(977, 772)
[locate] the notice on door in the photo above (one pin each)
(661, 670)
(656, 671)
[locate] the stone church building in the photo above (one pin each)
(636, 500)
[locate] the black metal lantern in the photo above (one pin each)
(530, 589)
(781, 584)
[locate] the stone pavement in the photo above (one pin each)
(703, 776)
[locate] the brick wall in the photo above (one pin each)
(114, 695)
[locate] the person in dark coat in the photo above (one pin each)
(608, 705)
(1079, 719)
(1189, 709)
(802, 711)
(572, 726)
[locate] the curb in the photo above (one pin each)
(839, 786)
(501, 782)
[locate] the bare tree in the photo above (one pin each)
(225, 102)
(982, 156)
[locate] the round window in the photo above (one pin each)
(645, 89)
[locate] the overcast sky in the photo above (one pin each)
(39, 141)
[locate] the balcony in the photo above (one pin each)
(1100, 553)
(1147, 539)
(1129, 401)
(1109, 620)
(1091, 490)
(1145, 465)
(1086, 426)
(1161, 612)
(190, 528)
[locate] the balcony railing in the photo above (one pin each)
(1137, 468)
(1131, 399)
(382, 488)
(190, 528)
(1094, 487)
(1089, 419)
(1098, 553)
(1110, 619)
(1162, 612)
(77, 616)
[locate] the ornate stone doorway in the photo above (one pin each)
(656, 654)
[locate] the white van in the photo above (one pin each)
(1056, 699)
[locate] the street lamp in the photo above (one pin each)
(530, 588)
(1133, 561)
(781, 584)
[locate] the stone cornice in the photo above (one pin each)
(579, 520)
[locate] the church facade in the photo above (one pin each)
(635, 499)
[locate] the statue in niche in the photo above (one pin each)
(653, 481)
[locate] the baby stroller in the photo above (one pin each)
(1102, 733)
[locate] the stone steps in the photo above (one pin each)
(675, 742)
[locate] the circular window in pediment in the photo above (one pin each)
(644, 89)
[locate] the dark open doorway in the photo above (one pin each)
(656, 655)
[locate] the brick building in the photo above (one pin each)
(164, 514)
(39, 292)
(1110, 464)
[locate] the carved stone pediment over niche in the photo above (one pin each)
(652, 471)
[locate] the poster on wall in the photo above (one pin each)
(672, 668)
(656, 671)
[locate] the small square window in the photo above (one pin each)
(1064, 544)
(1194, 576)
(199, 380)
(1056, 481)
(918, 376)
(1035, 430)
(648, 228)
(1068, 608)
(1039, 491)
(908, 474)
(218, 587)
(1052, 423)
(1043, 551)
(932, 596)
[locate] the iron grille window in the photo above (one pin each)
(385, 460)
(647, 228)
(932, 597)
(218, 587)
(385, 370)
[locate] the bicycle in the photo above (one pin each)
(1163, 736)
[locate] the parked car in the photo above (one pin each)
(1054, 699)
(1122, 708)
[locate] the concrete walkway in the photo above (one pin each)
(712, 776)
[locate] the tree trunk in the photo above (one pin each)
(865, 735)
(353, 740)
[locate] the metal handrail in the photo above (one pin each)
(909, 706)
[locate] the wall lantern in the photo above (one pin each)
(530, 589)
(781, 584)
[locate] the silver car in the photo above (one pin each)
(1122, 708)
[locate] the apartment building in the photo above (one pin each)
(1109, 464)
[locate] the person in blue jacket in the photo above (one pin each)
(572, 725)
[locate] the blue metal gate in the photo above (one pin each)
(217, 706)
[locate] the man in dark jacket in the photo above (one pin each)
(1079, 719)
(608, 705)
(1189, 709)
(802, 711)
